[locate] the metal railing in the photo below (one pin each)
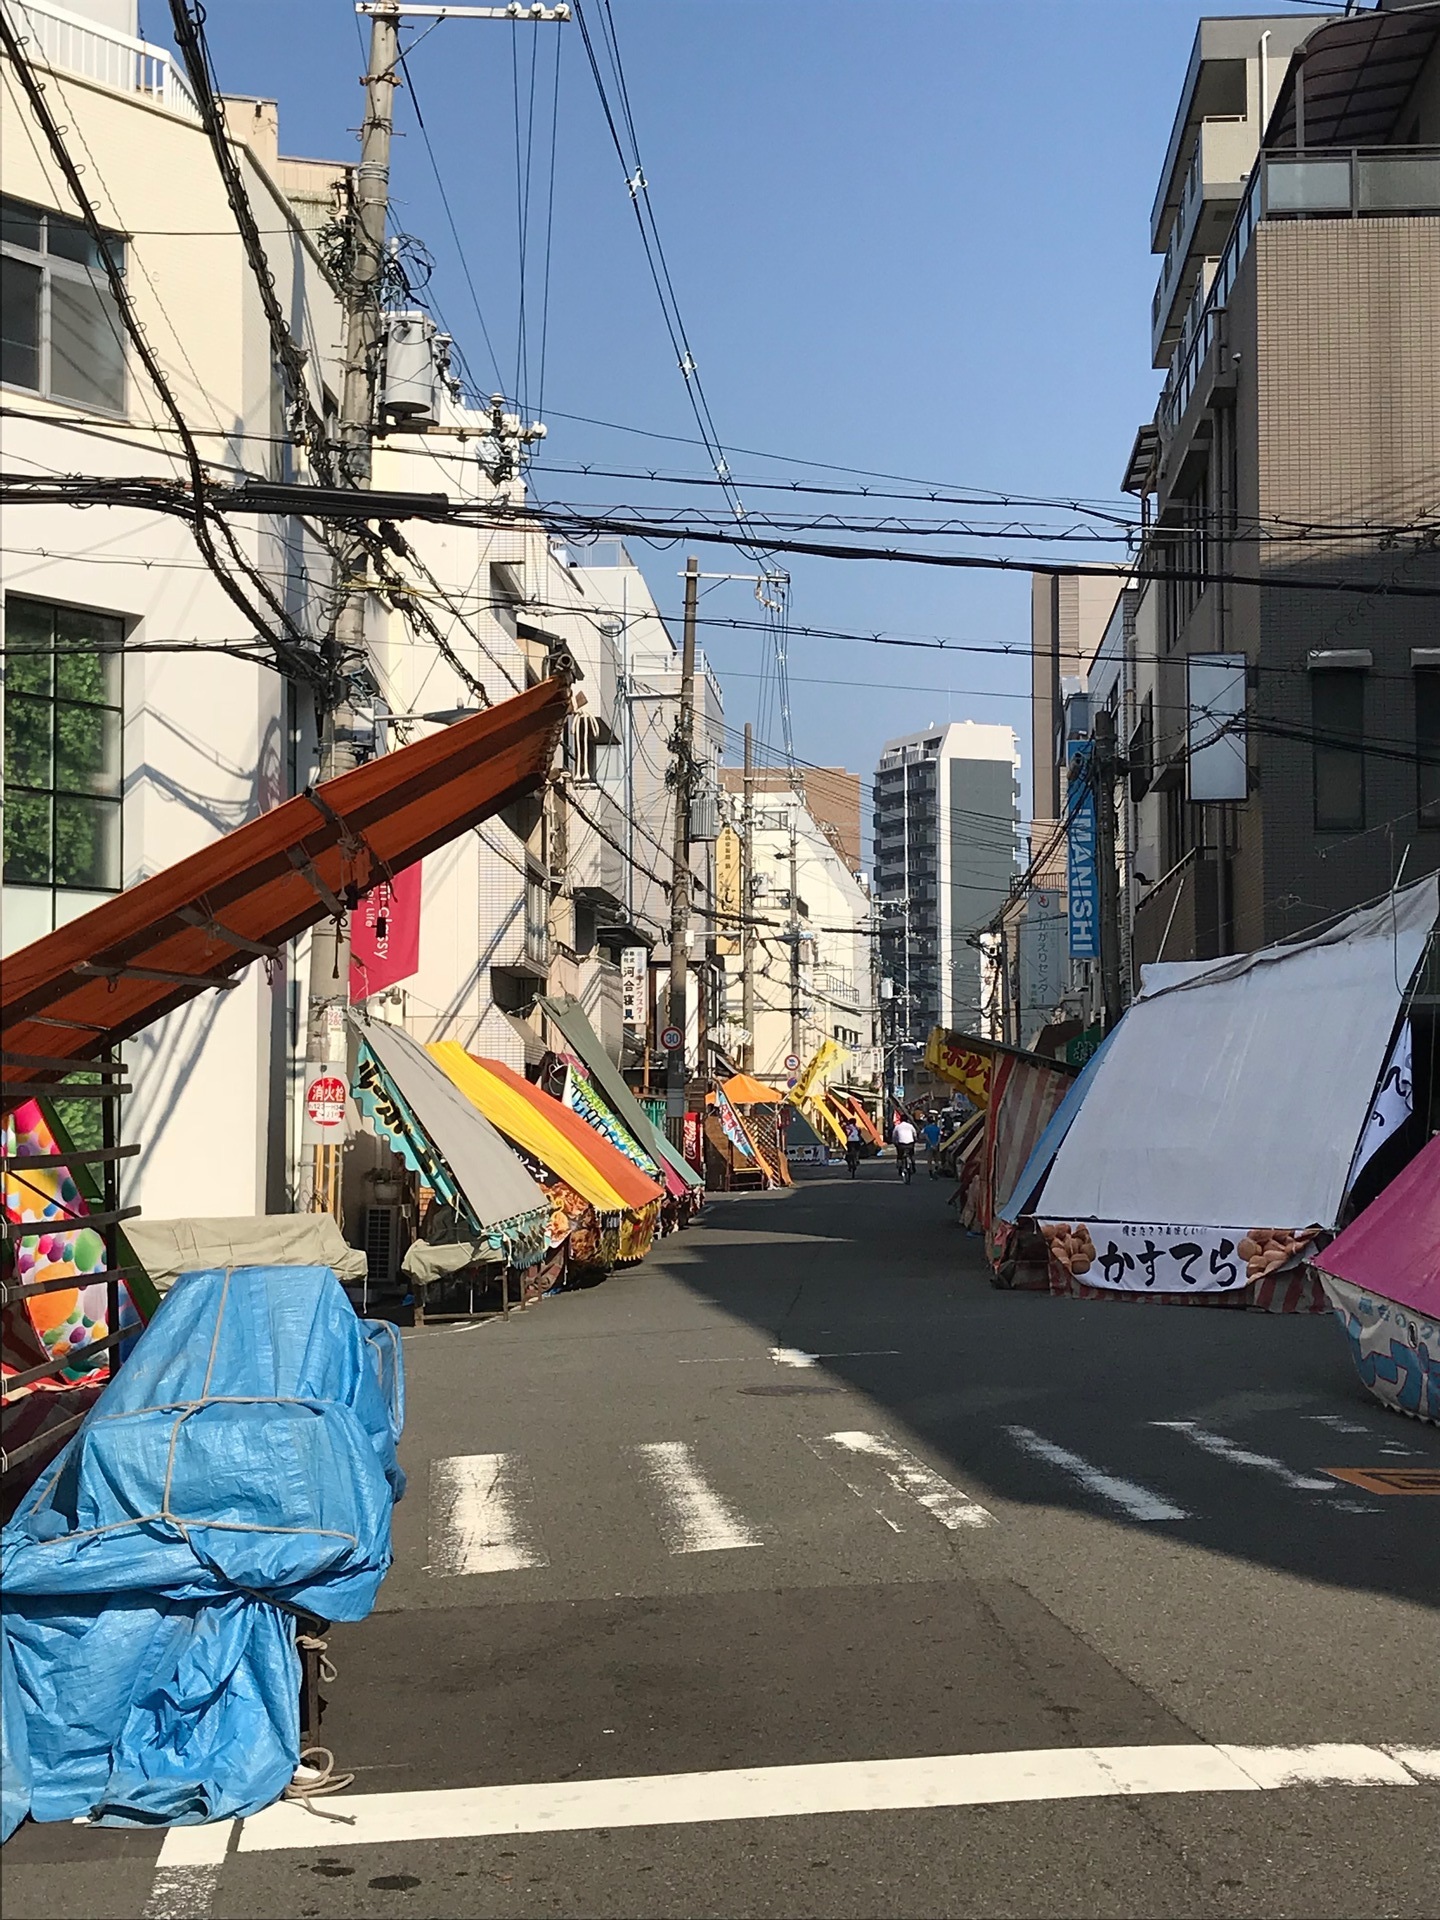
(73, 44)
(1327, 183)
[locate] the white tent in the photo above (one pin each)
(1232, 1094)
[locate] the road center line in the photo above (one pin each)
(1223, 1449)
(930, 1490)
(1139, 1502)
(846, 1786)
(693, 1517)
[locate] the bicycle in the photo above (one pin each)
(905, 1163)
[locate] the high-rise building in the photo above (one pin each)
(946, 826)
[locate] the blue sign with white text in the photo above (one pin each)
(1084, 873)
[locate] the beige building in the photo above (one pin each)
(1295, 448)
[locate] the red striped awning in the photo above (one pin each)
(197, 924)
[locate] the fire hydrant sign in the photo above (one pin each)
(325, 1105)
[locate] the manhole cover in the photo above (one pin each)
(793, 1388)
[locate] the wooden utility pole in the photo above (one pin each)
(326, 1038)
(1104, 769)
(747, 909)
(682, 781)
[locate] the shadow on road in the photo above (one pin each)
(848, 1270)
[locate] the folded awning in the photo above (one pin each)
(195, 925)
(1233, 1095)
(505, 1201)
(569, 1017)
(558, 1138)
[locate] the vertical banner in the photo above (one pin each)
(634, 970)
(1393, 1104)
(1082, 865)
(385, 935)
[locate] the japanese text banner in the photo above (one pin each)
(1131, 1258)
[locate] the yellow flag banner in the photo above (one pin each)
(953, 1058)
(827, 1054)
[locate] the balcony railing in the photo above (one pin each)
(55, 37)
(1327, 184)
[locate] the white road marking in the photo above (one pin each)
(846, 1786)
(1336, 1424)
(187, 1871)
(1223, 1449)
(1139, 1502)
(947, 1504)
(693, 1517)
(480, 1520)
(793, 1357)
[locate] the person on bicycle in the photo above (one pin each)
(852, 1146)
(902, 1136)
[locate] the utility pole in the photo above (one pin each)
(747, 909)
(328, 987)
(682, 780)
(795, 1047)
(326, 1038)
(1103, 763)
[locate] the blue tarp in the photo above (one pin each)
(238, 1475)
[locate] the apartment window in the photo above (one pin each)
(62, 755)
(1427, 745)
(1142, 750)
(1337, 711)
(61, 334)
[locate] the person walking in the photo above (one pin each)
(902, 1136)
(932, 1145)
(852, 1147)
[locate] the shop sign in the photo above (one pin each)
(1079, 1048)
(1129, 1257)
(1082, 865)
(385, 935)
(634, 972)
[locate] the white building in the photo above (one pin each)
(132, 738)
(946, 826)
(811, 944)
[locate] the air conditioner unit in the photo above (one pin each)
(381, 1239)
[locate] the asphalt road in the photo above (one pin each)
(804, 1490)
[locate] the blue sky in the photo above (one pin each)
(908, 235)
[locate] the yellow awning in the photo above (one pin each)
(520, 1120)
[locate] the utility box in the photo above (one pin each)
(412, 377)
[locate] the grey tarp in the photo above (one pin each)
(168, 1248)
(569, 1016)
(1235, 1092)
(492, 1179)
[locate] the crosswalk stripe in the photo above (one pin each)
(828, 1788)
(1128, 1495)
(922, 1484)
(1217, 1445)
(692, 1516)
(480, 1515)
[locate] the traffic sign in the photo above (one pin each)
(672, 1038)
(792, 1062)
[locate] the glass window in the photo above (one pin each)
(1427, 744)
(61, 333)
(20, 292)
(62, 747)
(87, 354)
(1337, 707)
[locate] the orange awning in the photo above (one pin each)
(195, 925)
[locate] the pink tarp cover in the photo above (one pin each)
(1393, 1248)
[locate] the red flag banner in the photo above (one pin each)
(385, 935)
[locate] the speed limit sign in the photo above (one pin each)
(671, 1038)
